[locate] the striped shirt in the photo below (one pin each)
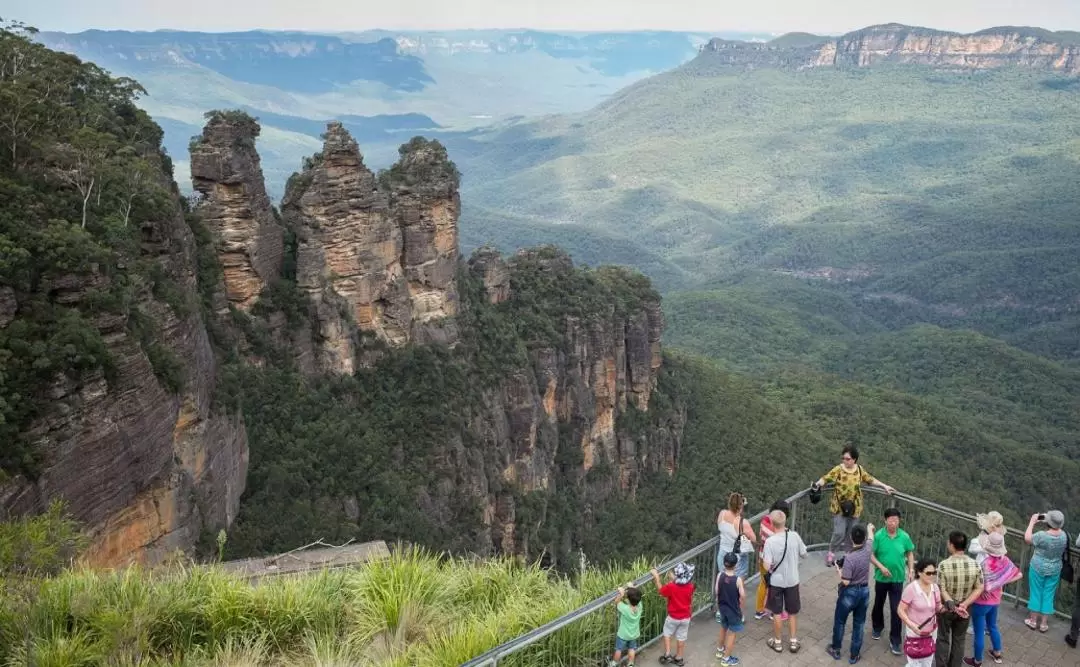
(959, 575)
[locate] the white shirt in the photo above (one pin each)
(787, 574)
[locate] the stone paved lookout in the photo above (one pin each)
(560, 642)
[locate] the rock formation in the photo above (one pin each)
(489, 265)
(226, 170)
(379, 260)
(987, 49)
(545, 427)
(145, 469)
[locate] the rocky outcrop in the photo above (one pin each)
(557, 426)
(376, 259)
(147, 470)
(895, 43)
(426, 206)
(488, 264)
(226, 171)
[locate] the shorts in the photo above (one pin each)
(731, 622)
(625, 644)
(677, 627)
(783, 599)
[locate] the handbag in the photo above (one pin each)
(919, 647)
(1067, 572)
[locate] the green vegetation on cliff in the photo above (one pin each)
(349, 457)
(82, 174)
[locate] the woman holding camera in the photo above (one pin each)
(1045, 570)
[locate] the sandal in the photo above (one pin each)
(996, 655)
(1031, 624)
(1044, 627)
(776, 644)
(794, 646)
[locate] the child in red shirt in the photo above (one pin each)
(679, 592)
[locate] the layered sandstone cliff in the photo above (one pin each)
(226, 171)
(375, 258)
(987, 49)
(145, 469)
(546, 426)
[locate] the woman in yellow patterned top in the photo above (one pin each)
(846, 503)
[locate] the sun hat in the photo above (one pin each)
(684, 572)
(1055, 519)
(993, 543)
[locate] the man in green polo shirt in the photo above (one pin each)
(893, 558)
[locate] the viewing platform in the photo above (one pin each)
(1023, 647)
(585, 637)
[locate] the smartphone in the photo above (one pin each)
(1041, 517)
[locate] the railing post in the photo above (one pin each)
(795, 515)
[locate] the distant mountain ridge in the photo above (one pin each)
(992, 48)
(293, 61)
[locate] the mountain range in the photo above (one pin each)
(383, 85)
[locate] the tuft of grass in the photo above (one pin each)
(414, 609)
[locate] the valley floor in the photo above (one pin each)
(1022, 647)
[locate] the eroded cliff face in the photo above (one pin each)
(987, 49)
(226, 171)
(575, 421)
(373, 259)
(145, 469)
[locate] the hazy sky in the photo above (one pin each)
(831, 16)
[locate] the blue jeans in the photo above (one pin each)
(741, 570)
(984, 616)
(853, 600)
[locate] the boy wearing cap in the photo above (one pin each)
(730, 594)
(679, 592)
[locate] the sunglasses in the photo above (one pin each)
(930, 572)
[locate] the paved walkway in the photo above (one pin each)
(1023, 647)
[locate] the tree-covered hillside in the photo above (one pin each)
(83, 180)
(946, 197)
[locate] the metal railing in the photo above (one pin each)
(585, 637)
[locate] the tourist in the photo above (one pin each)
(679, 592)
(1074, 628)
(1045, 570)
(766, 529)
(991, 522)
(730, 593)
(853, 596)
(846, 503)
(998, 572)
(919, 607)
(626, 637)
(893, 558)
(781, 555)
(736, 534)
(961, 581)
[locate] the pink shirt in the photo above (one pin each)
(766, 531)
(921, 607)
